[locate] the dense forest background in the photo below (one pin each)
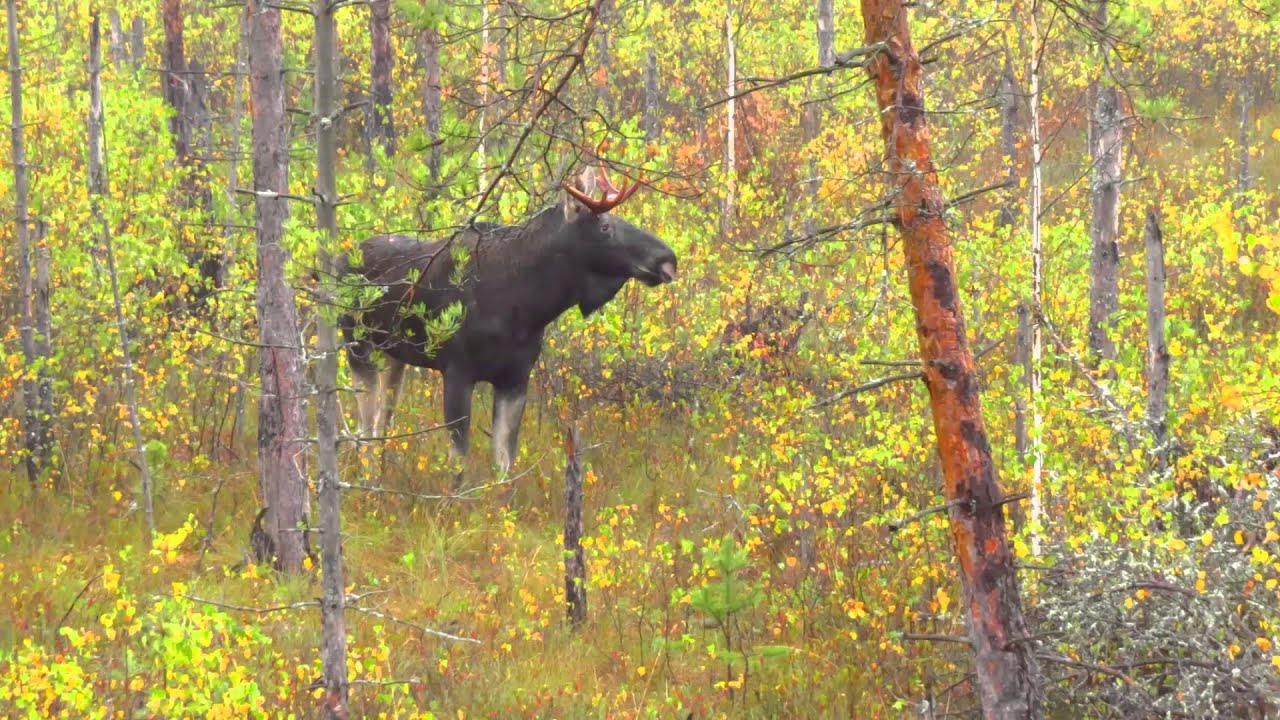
(766, 531)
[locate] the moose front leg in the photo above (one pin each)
(508, 409)
(457, 413)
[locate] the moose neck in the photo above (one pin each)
(544, 270)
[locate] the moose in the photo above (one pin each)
(511, 282)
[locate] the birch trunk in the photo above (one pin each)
(99, 191)
(1037, 290)
(281, 414)
(1004, 662)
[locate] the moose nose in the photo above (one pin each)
(668, 270)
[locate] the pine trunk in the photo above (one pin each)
(1005, 665)
(334, 650)
(429, 51)
(382, 57)
(282, 427)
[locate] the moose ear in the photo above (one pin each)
(585, 183)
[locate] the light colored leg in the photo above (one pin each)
(508, 409)
(390, 381)
(367, 399)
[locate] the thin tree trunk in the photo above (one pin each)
(281, 415)
(237, 114)
(1022, 358)
(731, 121)
(137, 42)
(99, 189)
(603, 57)
(1037, 289)
(334, 651)
(429, 51)
(502, 50)
(1005, 664)
(36, 387)
(826, 33)
(575, 566)
(180, 93)
(651, 96)
(1107, 138)
(486, 82)
(382, 57)
(1008, 131)
(176, 86)
(116, 33)
(1157, 350)
(1243, 180)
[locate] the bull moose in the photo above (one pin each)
(511, 282)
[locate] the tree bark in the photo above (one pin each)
(603, 57)
(1243, 180)
(651, 96)
(180, 92)
(1157, 350)
(177, 89)
(334, 650)
(137, 42)
(731, 122)
(116, 33)
(1005, 665)
(429, 51)
(1037, 286)
(382, 57)
(826, 33)
(1008, 131)
(1104, 260)
(575, 566)
(281, 415)
(99, 190)
(33, 288)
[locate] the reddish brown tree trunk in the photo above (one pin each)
(429, 54)
(382, 57)
(282, 428)
(1005, 665)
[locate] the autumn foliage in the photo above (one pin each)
(754, 527)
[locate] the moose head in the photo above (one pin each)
(511, 282)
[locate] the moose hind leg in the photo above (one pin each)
(360, 357)
(392, 381)
(508, 409)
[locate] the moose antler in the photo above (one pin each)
(610, 196)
